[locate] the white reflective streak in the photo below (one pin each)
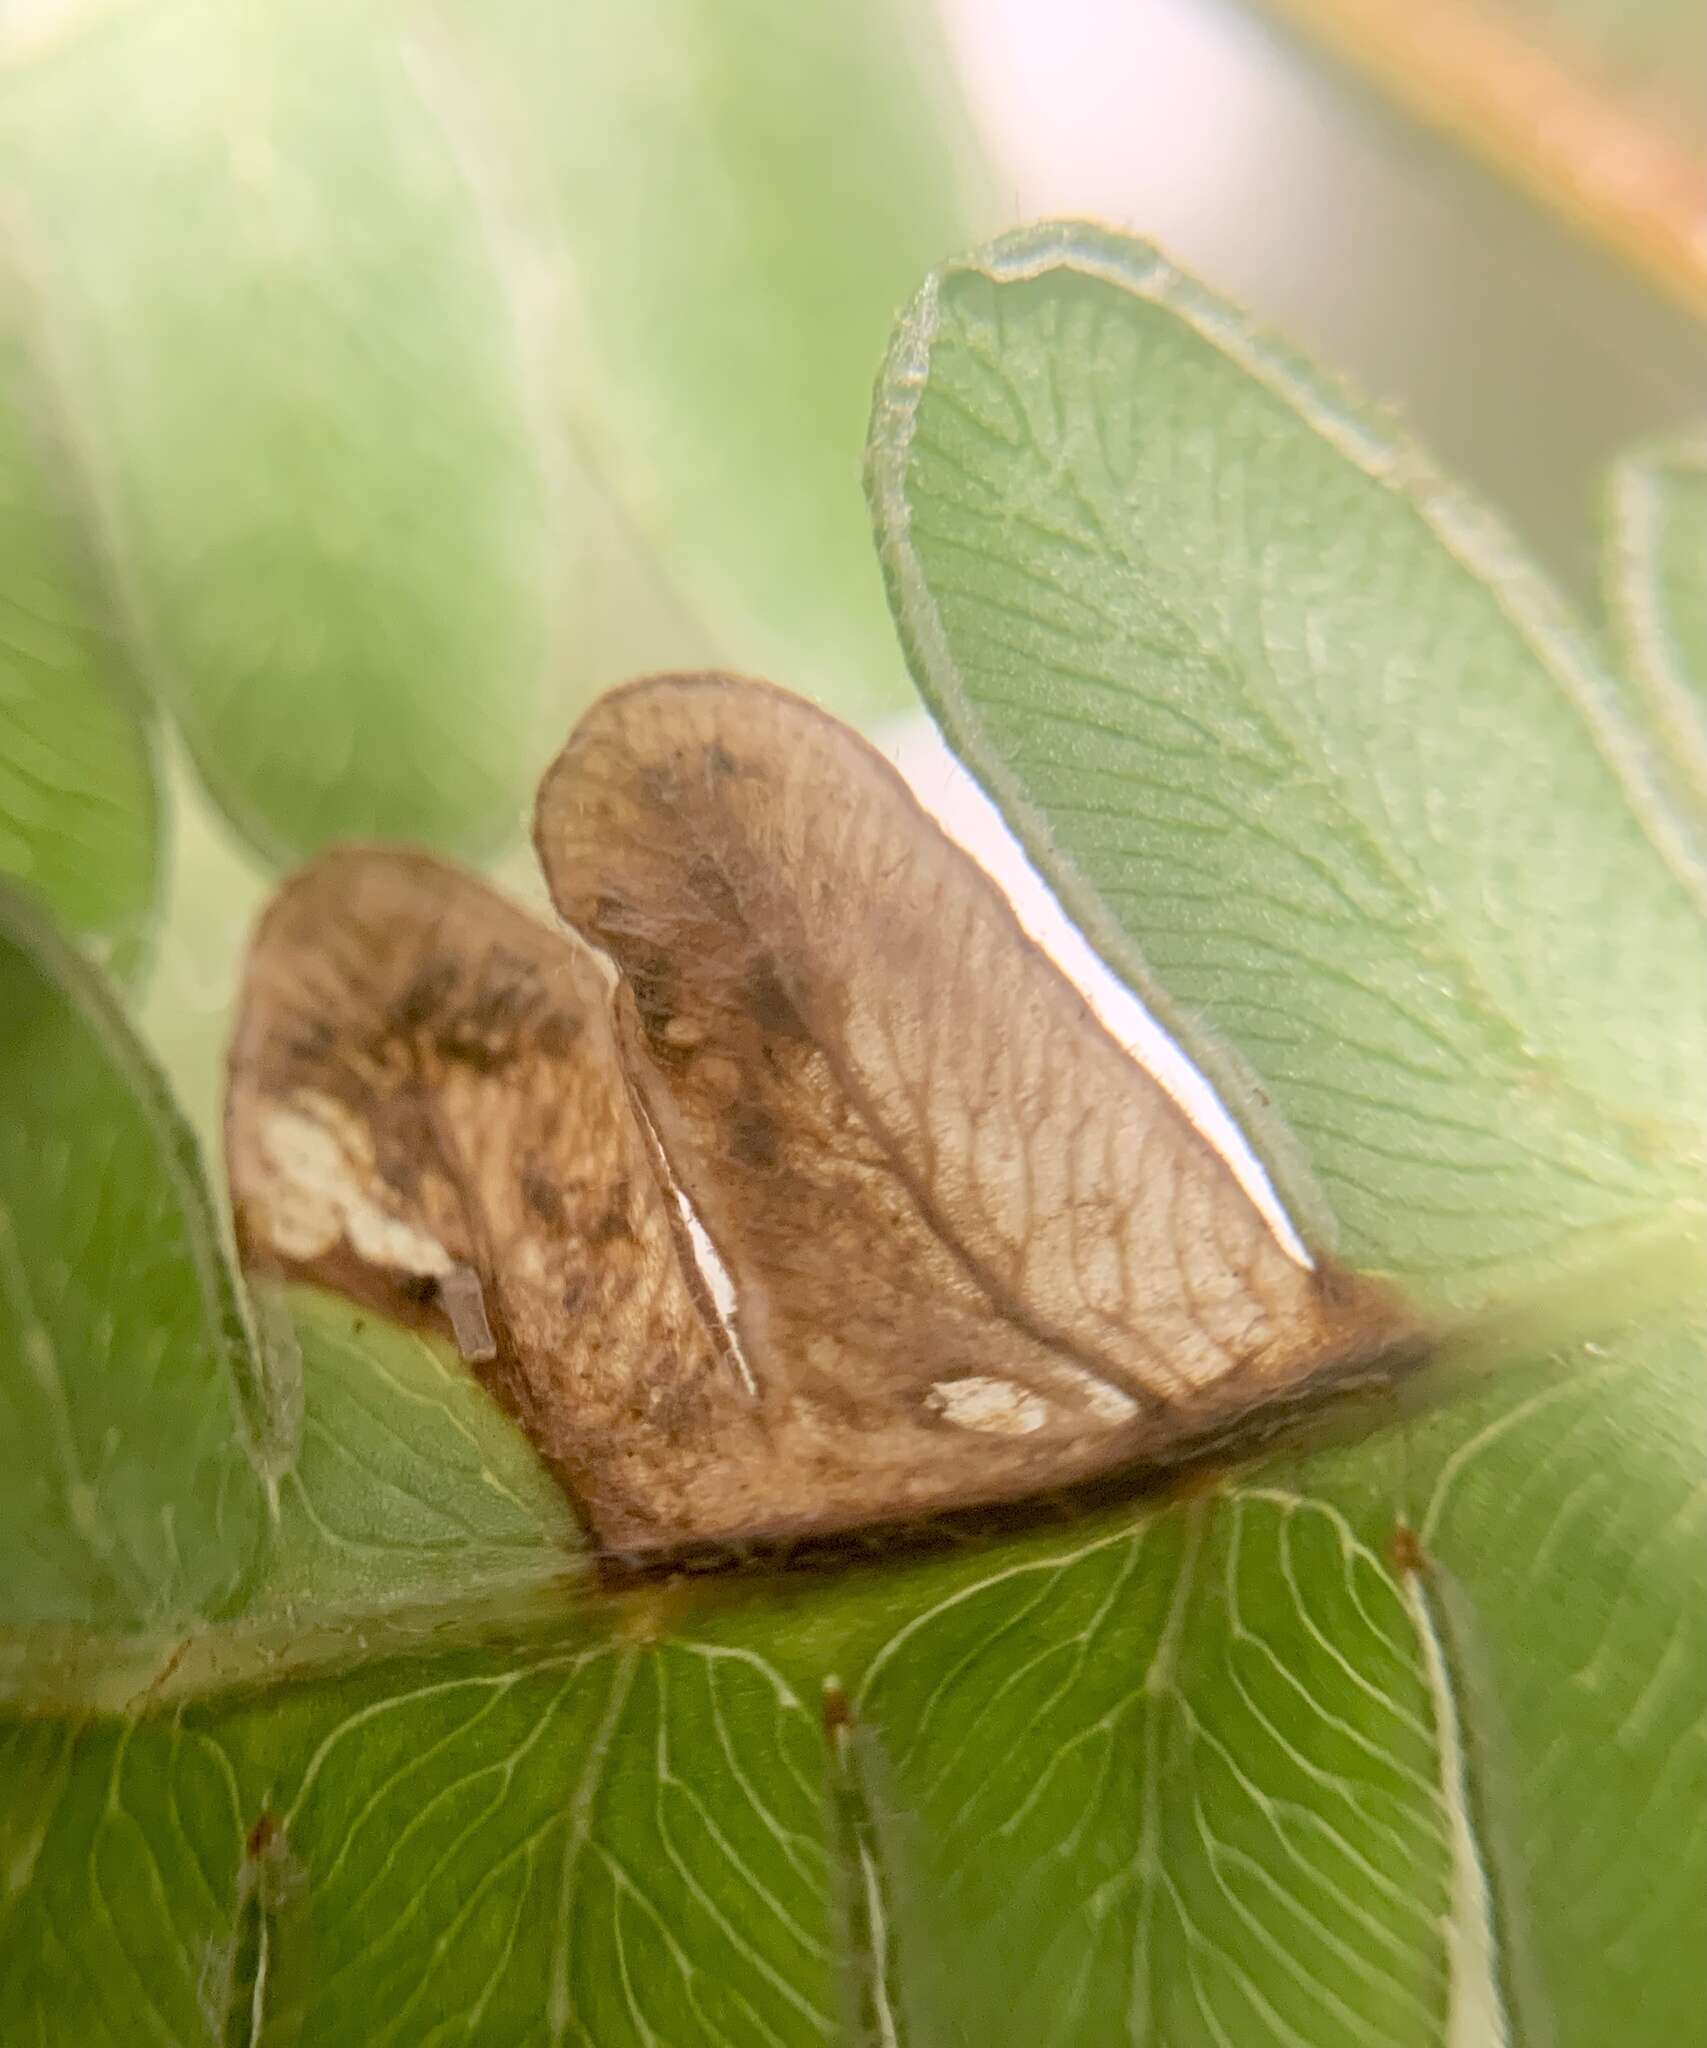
(969, 818)
(718, 1284)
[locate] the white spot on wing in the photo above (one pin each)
(997, 1407)
(532, 1261)
(388, 1241)
(1106, 1403)
(317, 1186)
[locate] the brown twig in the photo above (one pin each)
(1537, 121)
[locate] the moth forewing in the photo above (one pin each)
(974, 1253)
(920, 1154)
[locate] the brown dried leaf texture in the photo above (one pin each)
(976, 1252)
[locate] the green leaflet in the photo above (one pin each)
(266, 290)
(134, 1420)
(1185, 1771)
(1313, 760)
(411, 1488)
(464, 1848)
(397, 447)
(79, 806)
(1327, 772)
(724, 204)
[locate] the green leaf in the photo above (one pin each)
(1658, 587)
(1403, 1741)
(267, 292)
(1267, 702)
(720, 208)
(131, 1405)
(1212, 1738)
(431, 369)
(1322, 769)
(1566, 1515)
(79, 808)
(410, 1489)
(1205, 1765)
(464, 1850)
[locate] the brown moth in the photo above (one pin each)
(974, 1252)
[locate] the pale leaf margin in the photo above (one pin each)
(265, 1406)
(1668, 675)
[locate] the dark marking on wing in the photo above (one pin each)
(614, 1224)
(540, 1193)
(769, 1004)
(752, 1133)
